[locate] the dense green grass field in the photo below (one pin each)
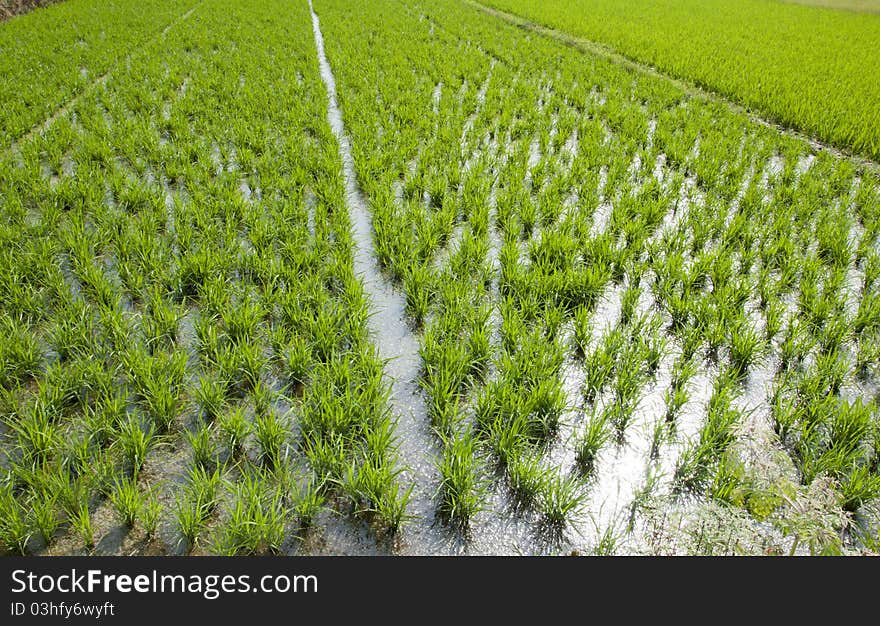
(403, 278)
(809, 68)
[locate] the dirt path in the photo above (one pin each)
(11, 8)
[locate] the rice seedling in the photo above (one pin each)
(256, 521)
(135, 442)
(461, 489)
(180, 253)
(195, 503)
(590, 443)
(44, 517)
(560, 501)
(582, 330)
(150, 512)
(271, 434)
(747, 348)
(15, 531)
(308, 502)
(204, 448)
(126, 501)
(235, 428)
(210, 394)
(81, 522)
(373, 488)
(527, 479)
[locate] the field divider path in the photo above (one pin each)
(65, 108)
(397, 344)
(691, 88)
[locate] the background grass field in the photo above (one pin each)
(808, 68)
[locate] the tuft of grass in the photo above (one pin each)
(135, 442)
(204, 449)
(81, 522)
(590, 442)
(560, 501)
(271, 434)
(15, 531)
(527, 479)
(256, 521)
(126, 501)
(461, 489)
(235, 428)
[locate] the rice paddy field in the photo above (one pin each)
(418, 277)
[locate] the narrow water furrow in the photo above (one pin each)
(396, 342)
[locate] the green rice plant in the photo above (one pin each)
(480, 350)
(250, 364)
(102, 420)
(158, 380)
(194, 504)
(553, 319)
(590, 443)
(582, 330)
(560, 501)
(773, 314)
(868, 355)
(43, 515)
(243, 319)
(204, 448)
(701, 459)
(546, 403)
(642, 496)
(20, 357)
(868, 317)
(599, 367)
(659, 435)
(235, 428)
(72, 334)
(189, 517)
(607, 544)
(81, 522)
(15, 531)
(150, 512)
(629, 302)
(858, 486)
(135, 443)
(309, 501)
(747, 348)
(461, 490)
(326, 456)
(796, 344)
(126, 501)
(830, 371)
(418, 286)
(207, 338)
(507, 433)
(271, 434)
(210, 394)
(527, 479)
(374, 489)
(297, 361)
(36, 432)
(256, 521)
(674, 398)
(161, 323)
